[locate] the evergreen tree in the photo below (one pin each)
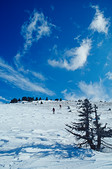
(24, 98)
(97, 129)
(100, 132)
(89, 130)
(30, 99)
(36, 99)
(46, 98)
(19, 100)
(14, 100)
(82, 129)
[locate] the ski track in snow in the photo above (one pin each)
(32, 137)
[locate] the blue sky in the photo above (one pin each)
(56, 49)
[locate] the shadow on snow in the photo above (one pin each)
(58, 150)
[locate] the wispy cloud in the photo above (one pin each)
(32, 30)
(76, 57)
(77, 38)
(17, 61)
(35, 74)
(52, 7)
(35, 28)
(100, 44)
(99, 23)
(109, 75)
(8, 74)
(71, 95)
(94, 91)
(4, 99)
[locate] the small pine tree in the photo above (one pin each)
(30, 99)
(24, 98)
(46, 98)
(14, 100)
(19, 100)
(36, 99)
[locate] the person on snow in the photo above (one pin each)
(53, 110)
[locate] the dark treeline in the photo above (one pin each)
(30, 99)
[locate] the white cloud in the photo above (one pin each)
(94, 91)
(4, 99)
(35, 28)
(77, 38)
(32, 30)
(35, 74)
(55, 50)
(8, 74)
(109, 75)
(99, 22)
(69, 96)
(39, 76)
(76, 57)
(17, 61)
(100, 44)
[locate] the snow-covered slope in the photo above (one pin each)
(32, 137)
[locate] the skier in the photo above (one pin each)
(60, 106)
(53, 110)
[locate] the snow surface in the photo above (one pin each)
(32, 137)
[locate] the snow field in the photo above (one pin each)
(32, 137)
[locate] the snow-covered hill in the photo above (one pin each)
(32, 137)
